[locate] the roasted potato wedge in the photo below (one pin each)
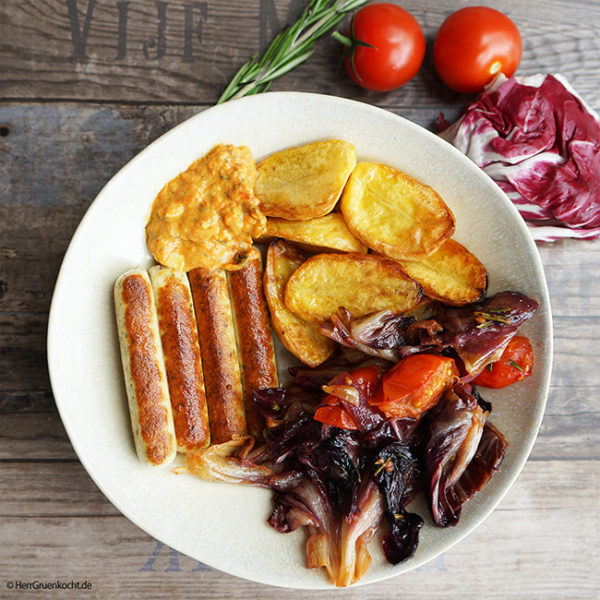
(361, 283)
(301, 338)
(316, 235)
(395, 214)
(451, 274)
(304, 182)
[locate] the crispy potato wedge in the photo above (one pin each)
(316, 235)
(301, 338)
(451, 274)
(395, 214)
(304, 182)
(361, 283)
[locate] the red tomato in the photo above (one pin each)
(336, 416)
(398, 47)
(364, 379)
(515, 364)
(473, 45)
(414, 385)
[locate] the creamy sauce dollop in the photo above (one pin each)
(208, 215)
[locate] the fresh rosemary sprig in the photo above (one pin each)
(289, 48)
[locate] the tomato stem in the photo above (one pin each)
(352, 43)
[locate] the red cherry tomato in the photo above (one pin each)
(336, 416)
(473, 45)
(398, 47)
(515, 364)
(414, 385)
(363, 379)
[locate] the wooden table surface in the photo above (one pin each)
(85, 85)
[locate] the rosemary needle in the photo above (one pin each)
(289, 48)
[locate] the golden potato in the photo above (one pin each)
(361, 283)
(301, 338)
(316, 235)
(304, 182)
(451, 274)
(395, 214)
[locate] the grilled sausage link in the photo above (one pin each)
(143, 368)
(179, 336)
(254, 338)
(222, 378)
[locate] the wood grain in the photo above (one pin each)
(44, 56)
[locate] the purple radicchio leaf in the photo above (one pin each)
(540, 142)
(396, 471)
(478, 333)
(377, 334)
(356, 531)
(485, 463)
(454, 437)
(308, 504)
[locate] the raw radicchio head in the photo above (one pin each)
(541, 144)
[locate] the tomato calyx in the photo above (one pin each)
(351, 42)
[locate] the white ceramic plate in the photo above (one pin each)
(224, 525)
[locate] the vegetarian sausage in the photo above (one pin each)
(179, 337)
(254, 338)
(222, 377)
(143, 368)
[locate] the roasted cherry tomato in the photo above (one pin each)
(515, 364)
(336, 416)
(364, 380)
(473, 45)
(414, 385)
(386, 47)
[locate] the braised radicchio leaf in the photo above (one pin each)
(454, 437)
(396, 470)
(299, 436)
(388, 431)
(308, 505)
(541, 144)
(378, 334)
(356, 532)
(478, 333)
(337, 461)
(486, 461)
(230, 462)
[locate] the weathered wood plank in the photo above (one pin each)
(547, 513)
(34, 436)
(23, 351)
(51, 50)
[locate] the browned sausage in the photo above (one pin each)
(179, 337)
(143, 368)
(254, 338)
(222, 378)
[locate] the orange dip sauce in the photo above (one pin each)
(208, 215)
